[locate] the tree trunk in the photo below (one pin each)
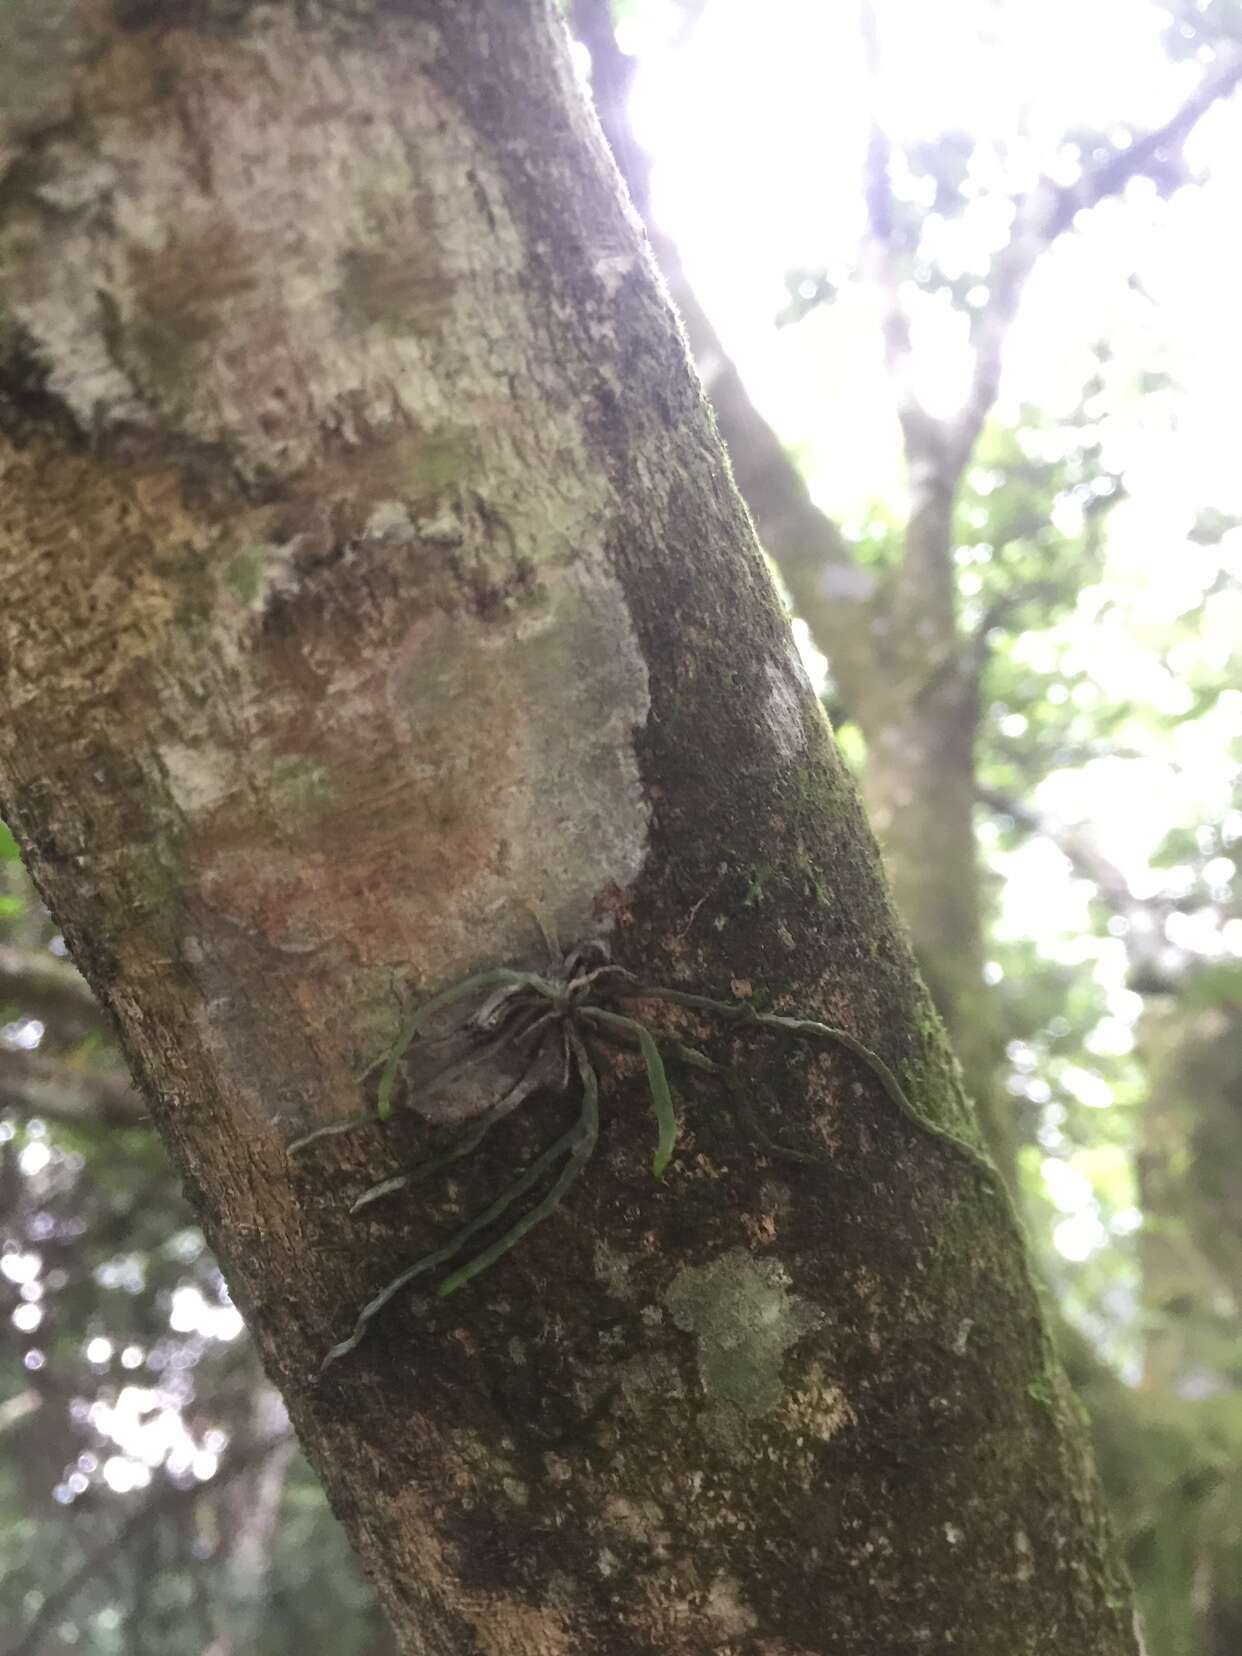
(371, 571)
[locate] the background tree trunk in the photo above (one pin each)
(370, 571)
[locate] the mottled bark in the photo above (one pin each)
(372, 570)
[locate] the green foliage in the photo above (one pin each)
(1218, 983)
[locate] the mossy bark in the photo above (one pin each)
(372, 570)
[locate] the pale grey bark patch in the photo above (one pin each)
(541, 716)
(259, 324)
(744, 1320)
(1025, 1555)
(788, 694)
(372, 283)
(820, 1408)
(726, 1607)
(199, 780)
(612, 1268)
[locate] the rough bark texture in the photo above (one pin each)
(371, 568)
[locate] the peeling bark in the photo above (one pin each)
(372, 570)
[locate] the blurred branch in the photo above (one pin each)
(168, 1502)
(924, 437)
(43, 986)
(1153, 963)
(61, 1091)
(1045, 214)
(19, 1407)
(1078, 849)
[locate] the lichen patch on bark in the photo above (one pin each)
(546, 712)
(744, 1320)
(786, 703)
(726, 1607)
(819, 1408)
(200, 781)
